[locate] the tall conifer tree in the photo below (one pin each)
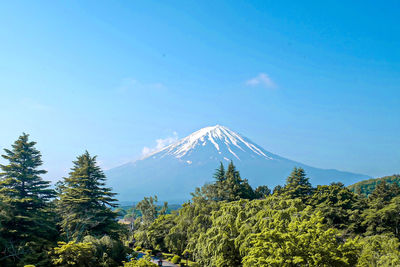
(298, 185)
(27, 223)
(85, 202)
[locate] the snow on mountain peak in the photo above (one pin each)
(226, 143)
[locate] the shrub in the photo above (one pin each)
(176, 259)
(108, 252)
(140, 263)
(79, 254)
(138, 248)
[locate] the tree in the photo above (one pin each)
(262, 191)
(74, 254)
(337, 204)
(234, 187)
(85, 203)
(149, 212)
(219, 174)
(301, 241)
(298, 185)
(27, 198)
(379, 250)
(228, 186)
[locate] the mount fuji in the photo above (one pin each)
(174, 171)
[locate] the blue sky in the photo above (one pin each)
(313, 81)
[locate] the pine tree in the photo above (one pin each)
(85, 203)
(26, 195)
(234, 187)
(219, 174)
(298, 185)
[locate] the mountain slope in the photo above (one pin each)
(174, 171)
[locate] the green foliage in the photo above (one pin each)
(228, 186)
(262, 192)
(379, 250)
(74, 254)
(108, 252)
(299, 240)
(85, 203)
(91, 252)
(383, 219)
(27, 227)
(140, 263)
(176, 259)
(297, 185)
(144, 224)
(157, 231)
(366, 187)
(337, 204)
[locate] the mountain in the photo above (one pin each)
(174, 171)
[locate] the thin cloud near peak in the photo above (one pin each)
(160, 143)
(261, 79)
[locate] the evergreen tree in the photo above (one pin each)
(262, 191)
(219, 174)
(298, 185)
(85, 203)
(234, 187)
(26, 225)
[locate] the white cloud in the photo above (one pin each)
(160, 143)
(261, 79)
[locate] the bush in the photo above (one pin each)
(108, 252)
(148, 251)
(139, 263)
(79, 254)
(176, 259)
(155, 252)
(138, 248)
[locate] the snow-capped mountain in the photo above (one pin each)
(174, 171)
(218, 141)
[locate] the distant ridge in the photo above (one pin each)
(367, 186)
(174, 171)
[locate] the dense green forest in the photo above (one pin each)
(366, 187)
(226, 223)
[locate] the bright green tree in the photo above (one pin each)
(74, 254)
(85, 202)
(303, 240)
(379, 250)
(27, 225)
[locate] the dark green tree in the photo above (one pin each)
(85, 202)
(234, 187)
(298, 185)
(27, 226)
(262, 191)
(337, 204)
(219, 174)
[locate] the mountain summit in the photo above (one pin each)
(175, 170)
(218, 142)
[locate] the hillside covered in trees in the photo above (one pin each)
(226, 223)
(366, 187)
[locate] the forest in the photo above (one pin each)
(226, 222)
